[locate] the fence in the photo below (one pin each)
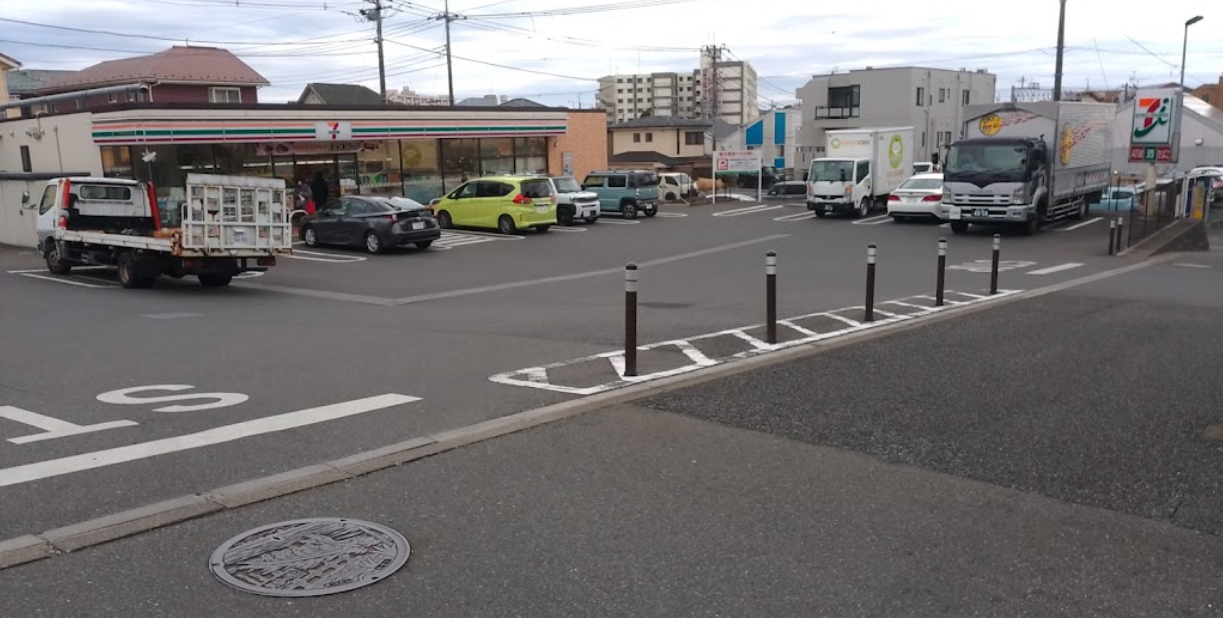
(1153, 209)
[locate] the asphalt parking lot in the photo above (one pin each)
(335, 351)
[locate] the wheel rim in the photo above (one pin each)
(371, 243)
(443, 220)
(507, 226)
(864, 208)
(310, 237)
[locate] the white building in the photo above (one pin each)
(776, 135)
(731, 97)
(407, 96)
(929, 100)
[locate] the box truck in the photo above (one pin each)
(860, 168)
(227, 225)
(1022, 164)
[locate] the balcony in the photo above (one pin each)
(837, 112)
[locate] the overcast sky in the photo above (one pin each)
(292, 42)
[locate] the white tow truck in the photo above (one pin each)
(225, 225)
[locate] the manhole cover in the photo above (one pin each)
(310, 557)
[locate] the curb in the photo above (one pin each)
(29, 548)
(1162, 241)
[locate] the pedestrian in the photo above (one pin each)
(319, 189)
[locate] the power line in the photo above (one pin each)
(502, 66)
(582, 10)
(161, 38)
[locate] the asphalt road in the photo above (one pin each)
(340, 327)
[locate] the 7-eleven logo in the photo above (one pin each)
(1153, 112)
(333, 129)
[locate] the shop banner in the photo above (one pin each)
(313, 148)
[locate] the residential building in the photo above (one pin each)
(488, 100)
(1211, 93)
(732, 96)
(338, 94)
(23, 83)
(660, 143)
(929, 100)
(407, 96)
(521, 102)
(6, 64)
(181, 74)
(776, 135)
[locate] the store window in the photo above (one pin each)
(531, 155)
(497, 156)
(117, 162)
(460, 161)
(422, 172)
(242, 160)
(379, 169)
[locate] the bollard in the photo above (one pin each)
(1112, 236)
(1120, 232)
(940, 286)
(870, 282)
(770, 297)
(993, 271)
(630, 320)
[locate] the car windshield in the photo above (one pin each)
(916, 184)
(402, 203)
(986, 158)
(567, 185)
(831, 171)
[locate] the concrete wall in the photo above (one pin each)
(586, 139)
(66, 146)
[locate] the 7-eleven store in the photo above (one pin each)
(417, 152)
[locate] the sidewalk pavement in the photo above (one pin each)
(1044, 458)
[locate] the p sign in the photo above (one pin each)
(736, 161)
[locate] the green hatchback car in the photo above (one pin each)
(624, 191)
(504, 203)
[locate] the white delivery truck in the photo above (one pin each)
(226, 225)
(860, 168)
(1022, 164)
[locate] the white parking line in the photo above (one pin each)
(1055, 269)
(604, 221)
(802, 216)
(68, 281)
(874, 220)
(493, 235)
(1188, 265)
(671, 215)
(738, 212)
(43, 270)
(561, 228)
(316, 256)
(1083, 224)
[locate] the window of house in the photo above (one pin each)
(942, 95)
(964, 98)
(636, 138)
(923, 139)
(649, 137)
(112, 98)
(921, 96)
(694, 138)
(131, 96)
(26, 164)
(946, 138)
(224, 95)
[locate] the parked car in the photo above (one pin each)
(788, 188)
(917, 198)
(675, 185)
(504, 203)
(573, 202)
(1118, 198)
(374, 222)
(924, 167)
(771, 176)
(625, 192)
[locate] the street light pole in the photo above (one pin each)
(1061, 52)
(1185, 47)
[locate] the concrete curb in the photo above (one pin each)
(1161, 241)
(30, 548)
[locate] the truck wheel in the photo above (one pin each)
(1031, 225)
(820, 213)
(864, 208)
(1081, 213)
(128, 275)
(55, 264)
(959, 227)
(215, 281)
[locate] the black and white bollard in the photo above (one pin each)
(1112, 236)
(630, 320)
(941, 283)
(1120, 233)
(993, 270)
(770, 296)
(870, 282)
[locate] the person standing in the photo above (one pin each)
(319, 189)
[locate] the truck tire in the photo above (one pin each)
(959, 227)
(214, 281)
(1031, 226)
(1081, 213)
(55, 263)
(129, 275)
(864, 208)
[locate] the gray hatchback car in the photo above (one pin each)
(373, 222)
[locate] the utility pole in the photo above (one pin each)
(375, 15)
(449, 17)
(1061, 51)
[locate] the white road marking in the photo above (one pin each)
(671, 215)
(316, 256)
(874, 220)
(1188, 265)
(1055, 269)
(802, 216)
(43, 270)
(561, 228)
(985, 266)
(1083, 224)
(70, 281)
(494, 235)
(749, 210)
(227, 433)
(603, 221)
(52, 427)
(904, 304)
(537, 377)
(124, 397)
(171, 316)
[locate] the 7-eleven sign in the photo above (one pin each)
(333, 130)
(1154, 117)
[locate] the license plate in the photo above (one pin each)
(418, 225)
(541, 209)
(953, 213)
(980, 212)
(240, 236)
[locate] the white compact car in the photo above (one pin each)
(917, 198)
(572, 203)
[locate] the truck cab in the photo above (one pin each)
(111, 204)
(996, 180)
(840, 186)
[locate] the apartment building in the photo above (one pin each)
(407, 96)
(732, 96)
(929, 100)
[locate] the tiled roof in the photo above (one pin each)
(25, 81)
(647, 156)
(206, 65)
(341, 94)
(521, 103)
(9, 61)
(661, 122)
